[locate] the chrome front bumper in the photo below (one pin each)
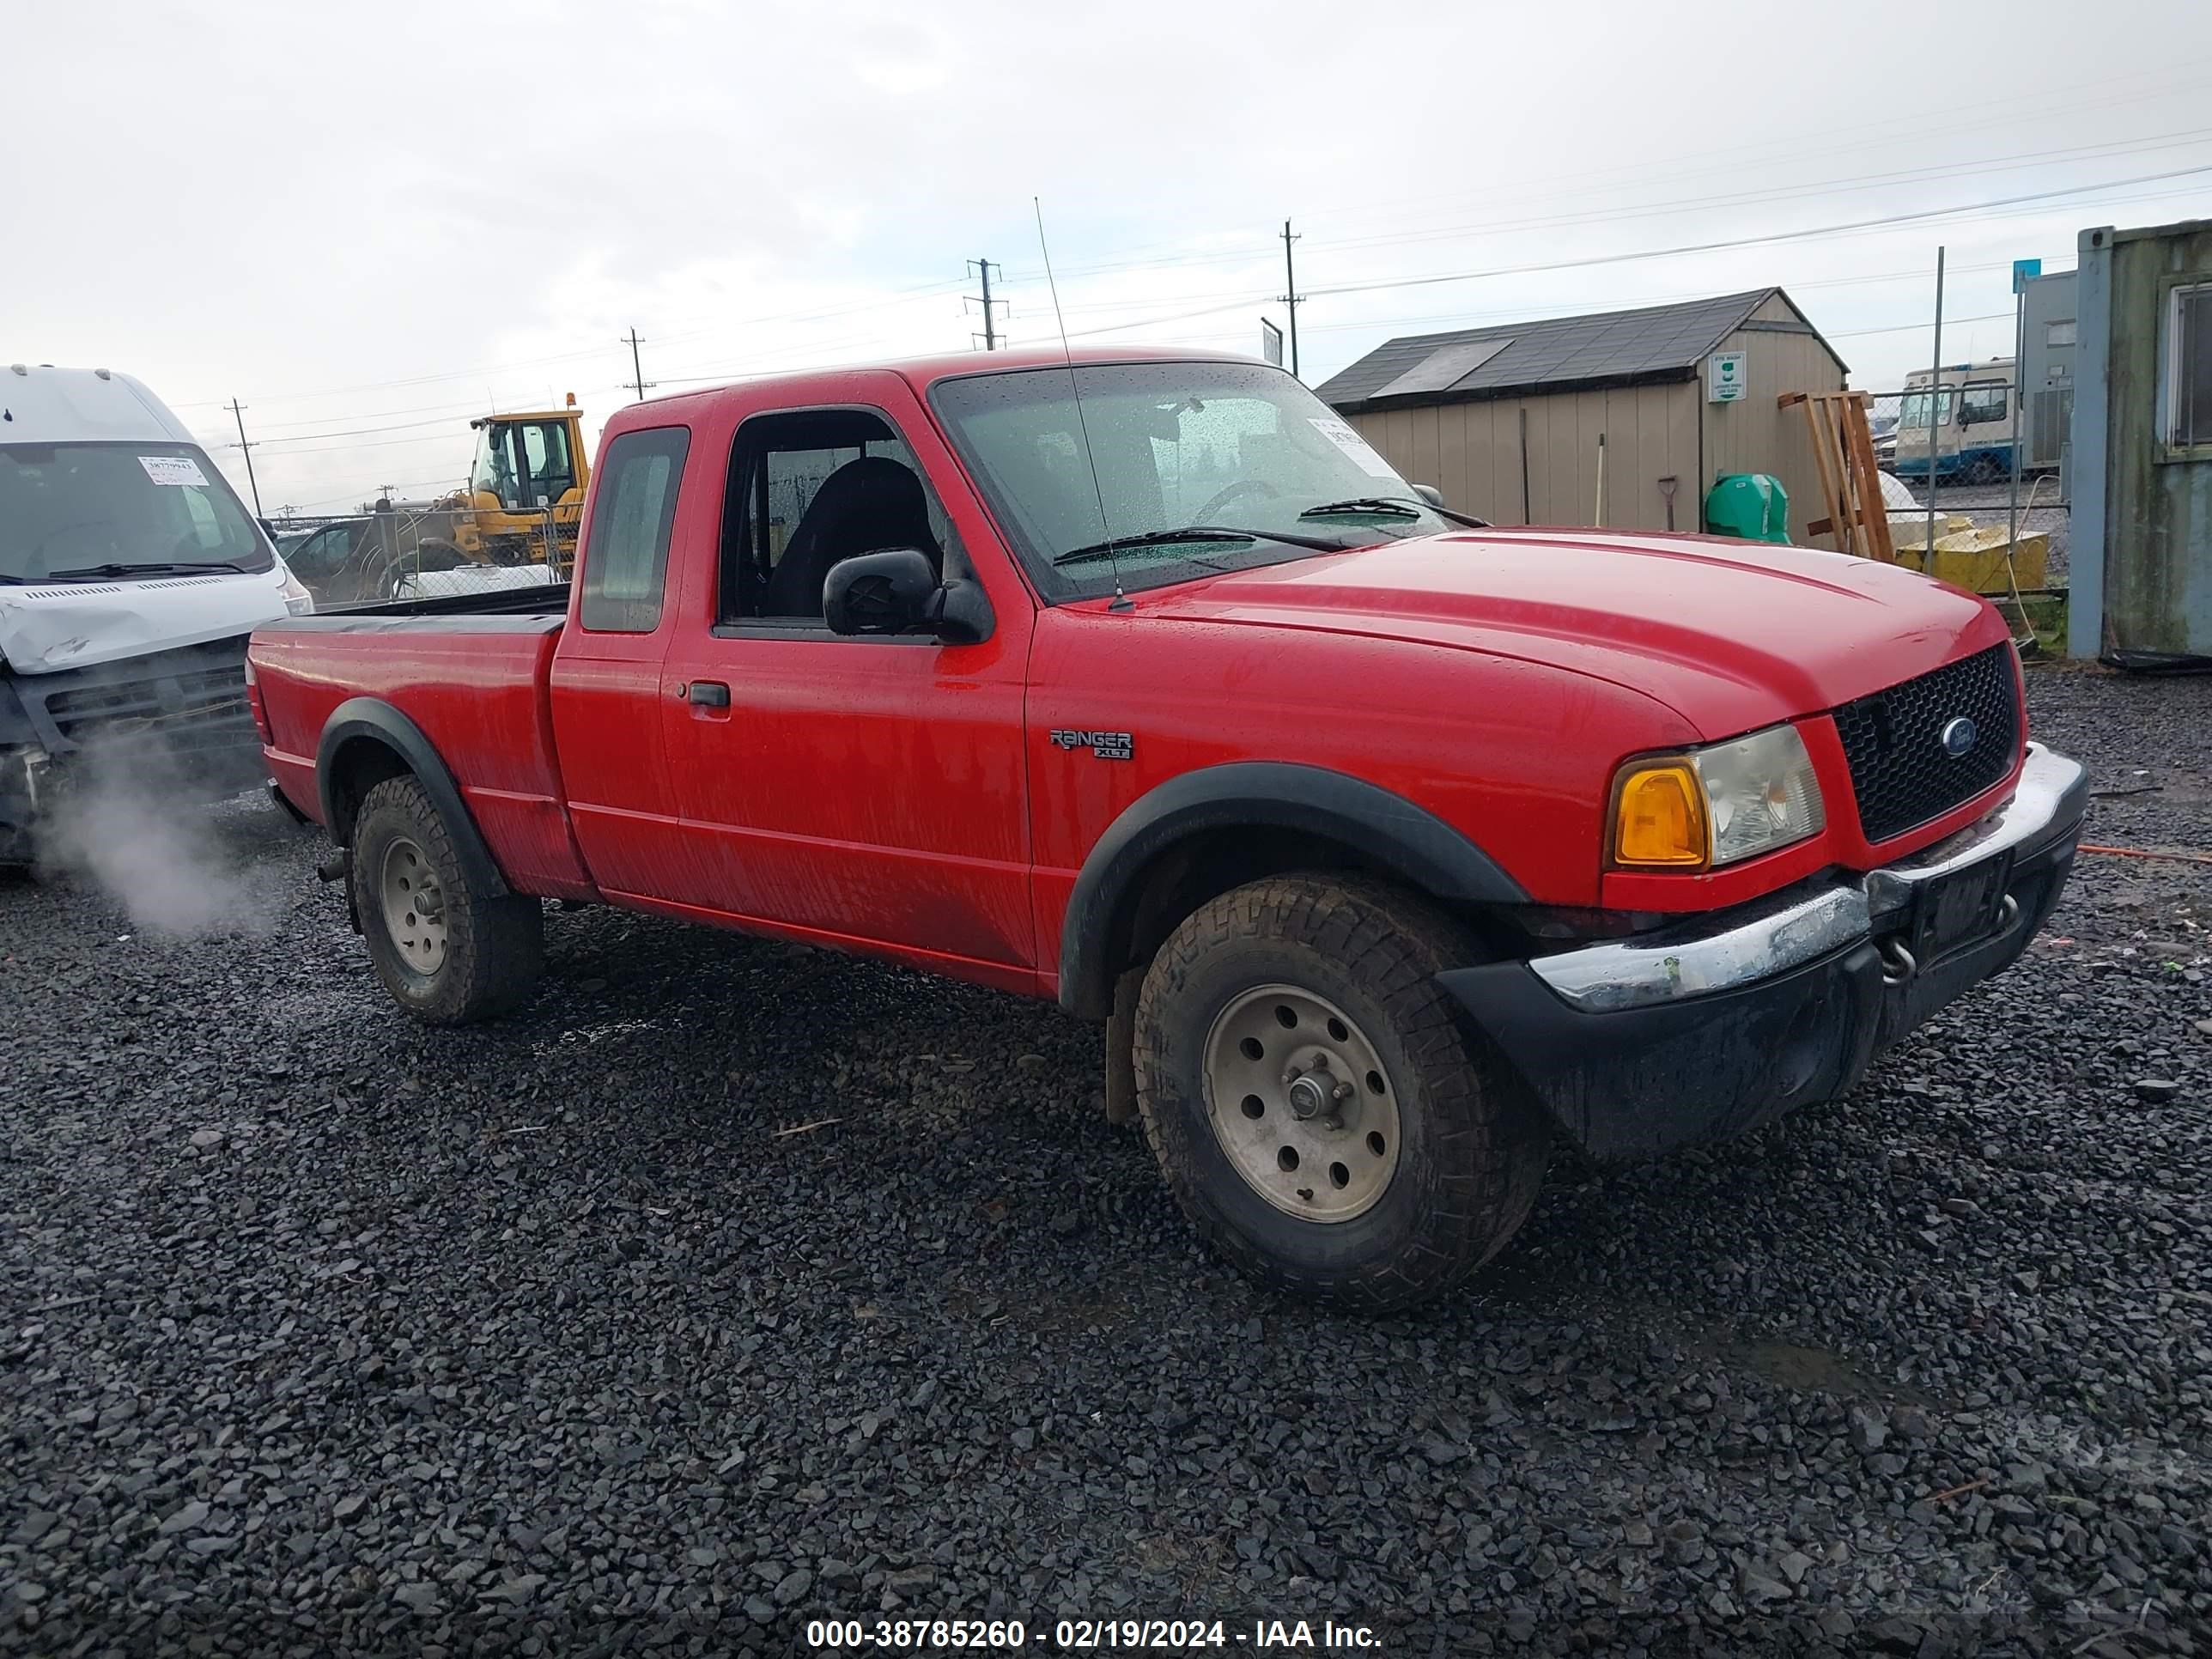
(1757, 942)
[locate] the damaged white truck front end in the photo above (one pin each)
(131, 579)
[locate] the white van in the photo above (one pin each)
(1976, 423)
(131, 575)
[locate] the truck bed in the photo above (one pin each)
(473, 673)
(537, 599)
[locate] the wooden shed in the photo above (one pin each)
(1506, 420)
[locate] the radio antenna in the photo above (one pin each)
(1075, 390)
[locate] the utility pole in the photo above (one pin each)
(638, 383)
(1291, 298)
(238, 414)
(990, 317)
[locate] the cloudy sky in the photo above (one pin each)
(369, 223)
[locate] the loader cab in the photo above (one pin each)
(527, 462)
(525, 491)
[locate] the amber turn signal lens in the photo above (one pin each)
(1661, 820)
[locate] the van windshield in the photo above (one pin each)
(1914, 411)
(80, 506)
(1240, 451)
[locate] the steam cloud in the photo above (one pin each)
(128, 822)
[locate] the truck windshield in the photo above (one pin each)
(117, 507)
(1217, 446)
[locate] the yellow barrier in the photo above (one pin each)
(1975, 559)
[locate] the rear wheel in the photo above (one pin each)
(1313, 1103)
(445, 954)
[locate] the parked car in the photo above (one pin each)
(131, 575)
(342, 562)
(1385, 849)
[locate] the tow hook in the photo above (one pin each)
(1897, 963)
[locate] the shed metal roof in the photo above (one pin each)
(1555, 354)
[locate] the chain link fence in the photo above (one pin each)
(1954, 451)
(404, 550)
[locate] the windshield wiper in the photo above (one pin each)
(152, 567)
(1193, 532)
(1402, 506)
(1378, 504)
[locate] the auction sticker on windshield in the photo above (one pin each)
(173, 470)
(1352, 444)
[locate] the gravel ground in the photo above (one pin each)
(732, 1282)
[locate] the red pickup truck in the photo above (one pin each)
(1385, 844)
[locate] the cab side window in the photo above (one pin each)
(626, 544)
(323, 553)
(545, 452)
(1980, 404)
(807, 490)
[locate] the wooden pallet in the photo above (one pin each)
(1850, 483)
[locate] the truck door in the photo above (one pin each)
(607, 669)
(855, 790)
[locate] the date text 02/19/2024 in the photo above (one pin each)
(1087, 1635)
(1075, 1634)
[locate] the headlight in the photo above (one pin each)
(1715, 805)
(297, 600)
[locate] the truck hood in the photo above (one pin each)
(60, 625)
(1732, 635)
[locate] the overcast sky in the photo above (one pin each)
(394, 217)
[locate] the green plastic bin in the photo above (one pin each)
(1752, 507)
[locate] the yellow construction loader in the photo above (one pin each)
(524, 498)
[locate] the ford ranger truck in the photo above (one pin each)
(1386, 847)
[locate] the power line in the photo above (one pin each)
(354, 494)
(1884, 222)
(1730, 164)
(1725, 243)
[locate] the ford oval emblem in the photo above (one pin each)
(1959, 735)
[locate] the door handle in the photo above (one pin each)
(709, 694)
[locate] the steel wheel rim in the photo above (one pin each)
(414, 906)
(1323, 1144)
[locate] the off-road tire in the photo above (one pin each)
(494, 947)
(1473, 1141)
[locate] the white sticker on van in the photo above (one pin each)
(1352, 444)
(173, 470)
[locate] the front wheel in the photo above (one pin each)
(1313, 1103)
(446, 954)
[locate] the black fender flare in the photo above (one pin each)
(1409, 841)
(379, 721)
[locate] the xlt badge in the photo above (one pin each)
(1106, 745)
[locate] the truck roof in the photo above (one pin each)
(922, 373)
(41, 403)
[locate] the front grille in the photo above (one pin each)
(194, 699)
(168, 717)
(1901, 771)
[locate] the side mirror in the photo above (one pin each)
(896, 591)
(268, 529)
(1431, 494)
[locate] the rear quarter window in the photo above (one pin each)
(625, 575)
